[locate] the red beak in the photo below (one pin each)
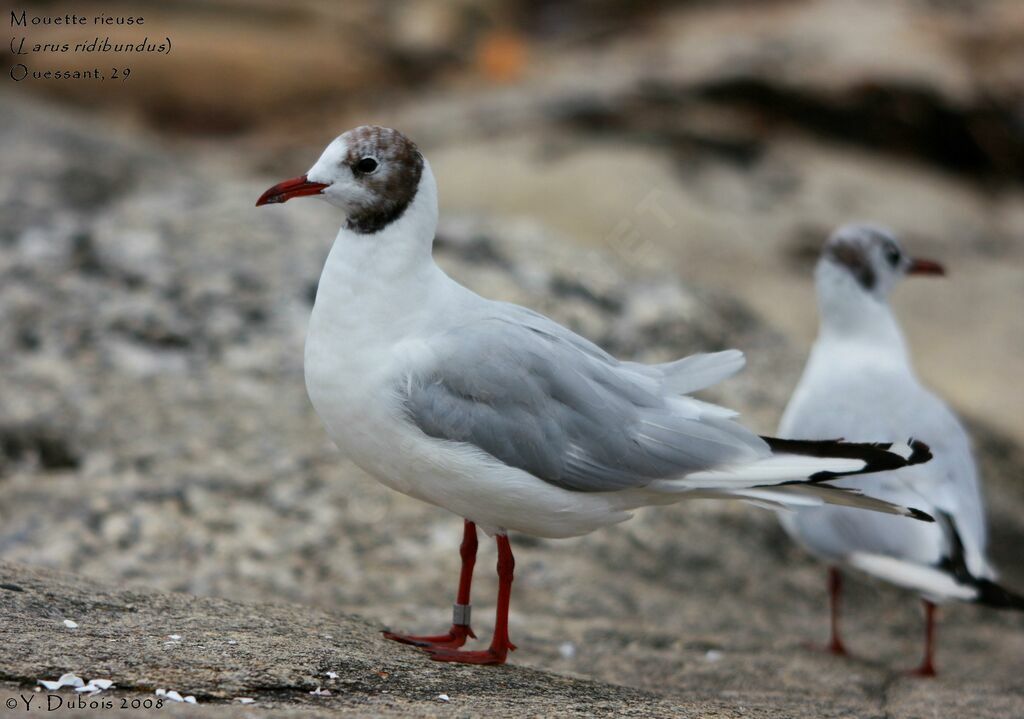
(295, 187)
(925, 267)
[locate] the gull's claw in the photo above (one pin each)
(454, 639)
(487, 656)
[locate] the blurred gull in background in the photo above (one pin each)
(859, 384)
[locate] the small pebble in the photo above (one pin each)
(70, 624)
(245, 700)
(444, 697)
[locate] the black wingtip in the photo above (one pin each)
(921, 452)
(989, 594)
(997, 596)
(918, 514)
(877, 456)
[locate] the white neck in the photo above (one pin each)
(383, 279)
(850, 313)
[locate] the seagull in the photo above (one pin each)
(503, 416)
(859, 384)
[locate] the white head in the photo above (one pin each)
(862, 261)
(372, 173)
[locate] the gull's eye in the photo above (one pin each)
(366, 165)
(892, 255)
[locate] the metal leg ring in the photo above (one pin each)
(460, 614)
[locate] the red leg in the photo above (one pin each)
(500, 644)
(835, 643)
(927, 668)
(835, 590)
(460, 628)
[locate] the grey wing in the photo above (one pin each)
(540, 398)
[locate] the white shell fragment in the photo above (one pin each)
(66, 680)
(245, 700)
(318, 692)
(332, 675)
(95, 686)
(175, 696)
(444, 697)
(70, 680)
(70, 624)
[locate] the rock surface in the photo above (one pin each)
(277, 654)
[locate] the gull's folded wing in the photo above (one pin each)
(539, 398)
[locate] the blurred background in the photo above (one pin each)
(658, 175)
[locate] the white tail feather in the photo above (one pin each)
(799, 496)
(777, 469)
(927, 580)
